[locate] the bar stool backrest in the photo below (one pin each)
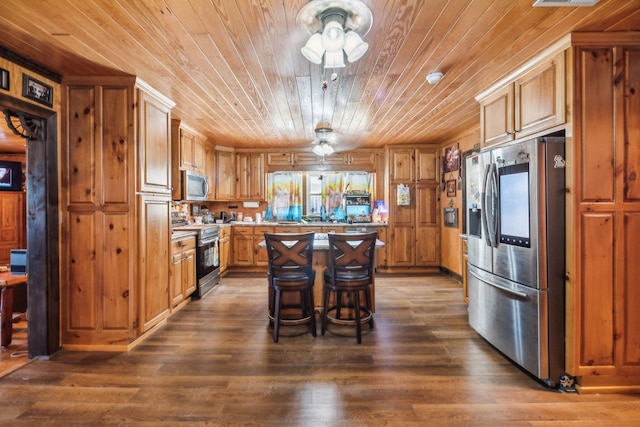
(290, 254)
(352, 258)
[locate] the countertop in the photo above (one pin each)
(307, 224)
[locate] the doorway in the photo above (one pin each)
(42, 213)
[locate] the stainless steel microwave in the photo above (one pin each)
(195, 186)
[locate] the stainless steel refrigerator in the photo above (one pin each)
(515, 201)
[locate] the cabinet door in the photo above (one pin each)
(540, 97)
(187, 145)
(225, 175)
(260, 256)
(361, 158)
(189, 281)
(305, 159)
(175, 279)
(402, 165)
(199, 155)
(401, 251)
(381, 253)
(496, 116)
(153, 243)
(426, 165)
(427, 236)
(243, 251)
(279, 159)
(154, 139)
(209, 170)
(225, 253)
(243, 180)
(256, 176)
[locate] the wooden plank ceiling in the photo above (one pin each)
(235, 70)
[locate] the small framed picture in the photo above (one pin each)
(451, 188)
(37, 90)
(451, 217)
(4, 79)
(451, 159)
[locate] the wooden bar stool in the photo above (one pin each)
(350, 272)
(290, 270)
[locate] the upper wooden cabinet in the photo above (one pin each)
(413, 165)
(225, 176)
(154, 141)
(188, 152)
(534, 100)
(250, 180)
(188, 147)
(364, 160)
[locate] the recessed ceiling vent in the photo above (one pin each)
(556, 3)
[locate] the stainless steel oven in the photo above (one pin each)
(207, 256)
(208, 260)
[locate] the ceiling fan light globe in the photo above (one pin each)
(354, 46)
(334, 60)
(333, 37)
(313, 50)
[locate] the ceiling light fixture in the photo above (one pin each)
(325, 138)
(435, 77)
(336, 28)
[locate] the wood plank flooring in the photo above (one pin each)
(214, 363)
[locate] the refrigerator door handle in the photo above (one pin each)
(490, 218)
(483, 212)
(494, 204)
(517, 294)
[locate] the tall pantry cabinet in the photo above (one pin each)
(603, 292)
(115, 195)
(414, 230)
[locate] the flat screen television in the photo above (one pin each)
(10, 176)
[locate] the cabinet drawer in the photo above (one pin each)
(242, 231)
(183, 244)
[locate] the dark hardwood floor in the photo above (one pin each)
(214, 363)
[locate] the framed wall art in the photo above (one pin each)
(451, 159)
(451, 217)
(451, 187)
(4, 79)
(37, 90)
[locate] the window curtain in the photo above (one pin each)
(284, 196)
(333, 187)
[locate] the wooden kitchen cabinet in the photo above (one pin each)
(242, 246)
(182, 272)
(225, 249)
(414, 232)
(12, 223)
(250, 182)
(114, 212)
(603, 321)
(210, 170)
(187, 153)
(413, 165)
(533, 101)
(188, 147)
(225, 176)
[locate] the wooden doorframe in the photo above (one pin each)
(43, 232)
